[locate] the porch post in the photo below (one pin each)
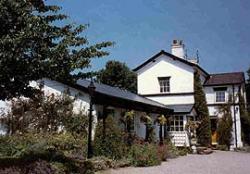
(91, 89)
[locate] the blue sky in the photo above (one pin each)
(219, 29)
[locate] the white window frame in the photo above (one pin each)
(219, 98)
(176, 124)
(164, 83)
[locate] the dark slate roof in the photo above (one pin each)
(119, 93)
(185, 108)
(173, 57)
(225, 79)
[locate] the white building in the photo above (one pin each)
(169, 79)
(165, 86)
(107, 100)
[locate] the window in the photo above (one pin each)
(176, 124)
(164, 84)
(220, 96)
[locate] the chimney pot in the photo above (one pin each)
(178, 48)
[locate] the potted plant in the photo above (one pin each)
(191, 128)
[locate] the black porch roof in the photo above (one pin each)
(108, 95)
(182, 108)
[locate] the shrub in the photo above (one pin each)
(111, 143)
(224, 128)
(42, 114)
(182, 151)
(144, 155)
(151, 134)
(64, 152)
(172, 151)
(101, 163)
(222, 147)
(162, 152)
(244, 119)
(18, 145)
(40, 166)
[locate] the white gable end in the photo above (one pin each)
(181, 76)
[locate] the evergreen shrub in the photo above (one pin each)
(143, 155)
(110, 144)
(224, 129)
(204, 130)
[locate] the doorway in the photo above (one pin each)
(214, 130)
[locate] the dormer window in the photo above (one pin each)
(164, 83)
(220, 94)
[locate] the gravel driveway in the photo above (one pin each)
(216, 163)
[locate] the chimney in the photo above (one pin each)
(177, 48)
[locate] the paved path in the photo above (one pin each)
(217, 163)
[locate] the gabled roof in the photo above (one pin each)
(114, 95)
(225, 79)
(162, 52)
(184, 108)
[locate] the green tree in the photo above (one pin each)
(245, 120)
(225, 124)
(245, 112)
(204, 130)
(119, 75)
(248, 73)
(248, 91)
(34, 43)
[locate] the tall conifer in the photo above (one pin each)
(204, 130)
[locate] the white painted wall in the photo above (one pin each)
(214, 110)
(181, 76)
(53, 87)
(211, 95)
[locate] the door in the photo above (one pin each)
(213, 130)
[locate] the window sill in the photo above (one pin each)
(220, 102)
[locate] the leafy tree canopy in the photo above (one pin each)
(32, 46)
(119, 75)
